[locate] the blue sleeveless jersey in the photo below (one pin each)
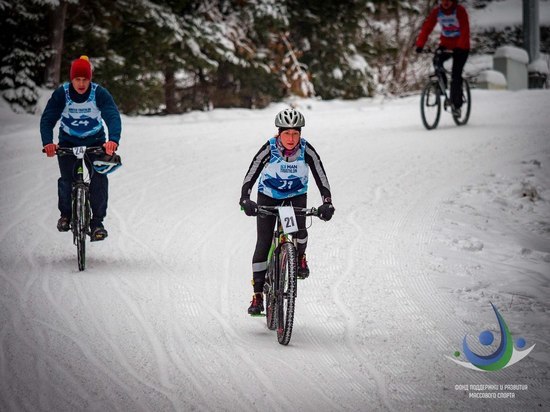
(81, 119)
(281, 179)
(450, 27)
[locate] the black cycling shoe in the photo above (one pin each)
(257, 305)
(64, 224)
(457, 112)
(97, 232)
(303, 269)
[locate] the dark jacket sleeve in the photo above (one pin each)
(109, 113)
(316, 166)
(427, 27)
(51, 115)
(257, 165)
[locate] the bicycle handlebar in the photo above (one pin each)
(272, 210)
(65, 151)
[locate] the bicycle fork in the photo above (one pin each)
(273, 262)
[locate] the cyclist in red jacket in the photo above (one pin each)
(455, 36)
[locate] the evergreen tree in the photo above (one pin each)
(22, 52)
(332, 40)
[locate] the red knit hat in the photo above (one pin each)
(81, 67)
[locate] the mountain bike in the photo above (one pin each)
(280, 287)
(435, 91)
(80, 199)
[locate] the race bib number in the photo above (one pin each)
(288, 219)
(79, 151)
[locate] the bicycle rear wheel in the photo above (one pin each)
(466, 105)
(286, 293)
(430, 105)
(80, 223)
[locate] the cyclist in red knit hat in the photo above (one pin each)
(81, 107)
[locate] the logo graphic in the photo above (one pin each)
(505, 355)
(288, 184)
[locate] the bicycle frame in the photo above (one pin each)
(439, 76)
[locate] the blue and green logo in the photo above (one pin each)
(505, 355)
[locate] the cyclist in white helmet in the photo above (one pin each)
(282, 165)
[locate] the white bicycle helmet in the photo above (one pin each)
(290, 118)
(107, 164)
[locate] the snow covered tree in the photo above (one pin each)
(332, 41)
(22, 52)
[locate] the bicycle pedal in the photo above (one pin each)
(259, 315)
(97, 238)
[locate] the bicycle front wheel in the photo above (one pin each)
(286, 292)
(430, 105)
(466, 105)
(80, 226)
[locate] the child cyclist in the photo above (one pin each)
(282, 165)
(81, 107)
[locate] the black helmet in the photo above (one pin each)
(107, 164)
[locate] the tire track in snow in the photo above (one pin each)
(279, 358)
(351, 321)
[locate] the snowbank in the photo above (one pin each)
(539, 66)
(492, 77)
(512, 53)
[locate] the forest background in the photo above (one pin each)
(173, 56)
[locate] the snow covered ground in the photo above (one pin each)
(506, 13)
(430, 227)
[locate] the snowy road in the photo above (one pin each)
(430, 227)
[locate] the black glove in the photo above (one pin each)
(325, 211)
(419, 49)
(249, 206)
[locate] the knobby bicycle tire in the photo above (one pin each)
(430, 101)
(80, 227)
(466, 104)
(286, 292)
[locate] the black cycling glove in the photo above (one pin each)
(326, 210)
(249, 206)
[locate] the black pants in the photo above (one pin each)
(99, 187)
(459, 60)
(265, 226)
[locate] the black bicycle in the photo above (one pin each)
(281, 279)
(435, 92)
(80, 199)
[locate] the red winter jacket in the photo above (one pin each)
(455, 28)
